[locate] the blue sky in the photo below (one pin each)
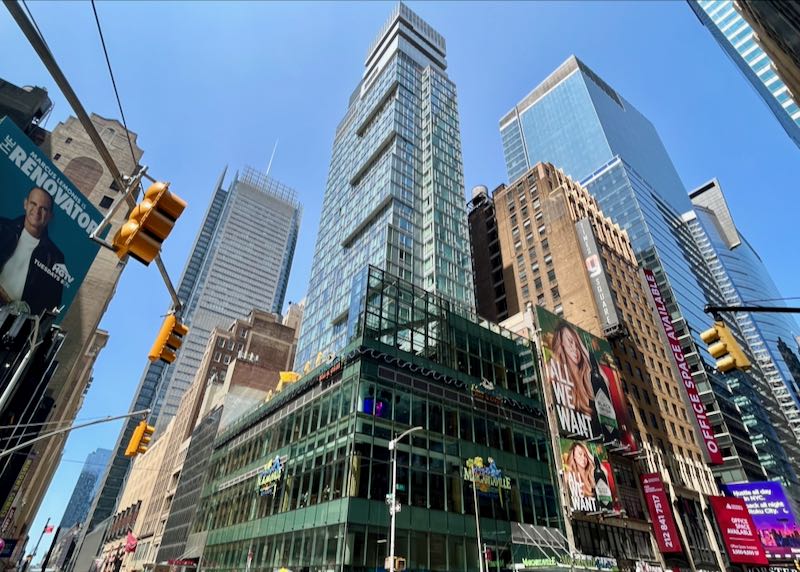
(212, 84)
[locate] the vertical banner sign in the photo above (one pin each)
(738, 531)
(45, 223)
(597, 276)
(702, 425)
(660, 510)
(772, 515)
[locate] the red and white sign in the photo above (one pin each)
(713, 453)
(738, 531)
(660, 513)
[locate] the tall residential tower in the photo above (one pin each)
(395, 191)
(240, 261)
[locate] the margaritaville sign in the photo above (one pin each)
(579, 561)
(268, 478)
(486, 475)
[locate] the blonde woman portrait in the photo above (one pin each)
(571, 358)
(579, 465)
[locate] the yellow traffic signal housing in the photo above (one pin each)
(169, 339)
(724, 348)
(149, 224)
(140, 439)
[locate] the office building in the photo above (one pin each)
(580, 124)
(395, 191)
(743, 278)
(492, 280)
(301, 481)
(240, 260)
(85, 488)
(563, 254)
(767, 62)
(241, 363)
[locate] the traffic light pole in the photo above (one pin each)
(38, 44)
(6, 452)
(710, 309)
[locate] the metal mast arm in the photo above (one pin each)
(711, 309)
(68, 429)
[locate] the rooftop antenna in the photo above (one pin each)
(275, 148)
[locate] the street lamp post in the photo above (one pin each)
(394, 506)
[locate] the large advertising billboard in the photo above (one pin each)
(691, 395)
(45, 222)
(582, 377)
(738, 531)
(588, 478)
(772, 515)
(660, 510)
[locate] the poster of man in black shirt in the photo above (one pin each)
(26, 255)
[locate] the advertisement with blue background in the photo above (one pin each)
(45, 222)
(772, 515)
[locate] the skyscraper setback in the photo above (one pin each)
(241, 260)
(395, 191)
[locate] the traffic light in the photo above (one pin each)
(724, 348)
(140, 439)
(169, 339)
(149, 223)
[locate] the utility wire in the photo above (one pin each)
(35, 25)
(113, 83)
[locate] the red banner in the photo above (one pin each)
(713, 453)
(738, 531)
(660, 513)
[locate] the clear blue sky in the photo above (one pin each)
(208, 84)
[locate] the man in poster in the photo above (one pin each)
(32, 269)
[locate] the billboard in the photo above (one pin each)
(772, 515)
(588, 478)
(582, 377)
(597, 276)
(660, 510)
(738, 531)
(691, 395)
(45, 222)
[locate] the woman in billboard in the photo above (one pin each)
(580, 469)
(572, 358)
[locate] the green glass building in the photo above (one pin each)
(301, 481)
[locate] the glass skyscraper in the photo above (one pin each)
(743, 279)
(736, 37)
(579, 123)
(240, 260)
(395, 190)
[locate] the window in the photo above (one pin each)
(555, 293)
(57, 156)
(68, 140)
(221, 343)
(217, 357)
(106, 202)
(227, 360)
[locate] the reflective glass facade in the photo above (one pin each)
(773, 414)
(415, 359)
(395, 191)
(240, 260)
(577, 122)
(735, 36)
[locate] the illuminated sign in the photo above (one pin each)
(268, 478)
(486, 476)
(738, 531)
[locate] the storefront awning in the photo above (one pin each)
(550, 541)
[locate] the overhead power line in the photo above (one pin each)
(113, 82)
